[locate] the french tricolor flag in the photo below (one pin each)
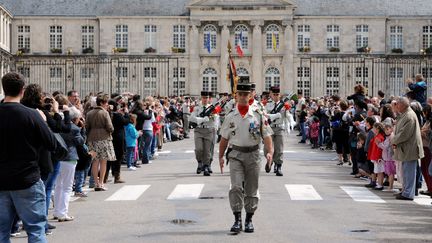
(239, 46)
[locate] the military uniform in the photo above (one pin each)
(204, 137)
(186, 115)
(244, 134)
(277, 125)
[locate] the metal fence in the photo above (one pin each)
(324, 75)
(110, 74)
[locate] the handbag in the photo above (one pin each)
(61, 151)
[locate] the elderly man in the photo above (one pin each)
(408, 146)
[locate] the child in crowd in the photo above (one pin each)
(375, 154)
(370, 121)
(361, 155)
(387, 155)
(131, 136)
(314, 132)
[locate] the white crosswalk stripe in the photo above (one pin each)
(302, 192)
(189, 151)
(360, 194)
(128, 193)
(164, 152)
(423, 200)
(186, 192)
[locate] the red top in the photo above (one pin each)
(314, 129)
(374, 152)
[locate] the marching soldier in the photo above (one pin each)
(204, 134)
(243, 129)
(186, 114)
(277, 125)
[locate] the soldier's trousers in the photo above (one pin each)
(278, 145)
(186, 124)
(204, 139)
(244, 167)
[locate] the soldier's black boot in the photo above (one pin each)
(199, 168)
(206, 170)
(237, 226)
(249, 228)
(279, 170)
(275, 168)
(210, 169)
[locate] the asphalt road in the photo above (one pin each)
(315, 201)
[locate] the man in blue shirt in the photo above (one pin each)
(419, 87)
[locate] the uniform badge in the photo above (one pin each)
(233, 133)
(231, 125)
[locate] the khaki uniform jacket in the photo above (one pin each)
(407, 137)
(98, 124)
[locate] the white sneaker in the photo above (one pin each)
(150, 162)
(132, 168)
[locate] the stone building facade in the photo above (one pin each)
(298, 45)
(5, 42)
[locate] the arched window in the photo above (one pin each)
(242, 72)
(210, 80)
(241, 30)
(272, 37)
(210, 33)
(272, 77)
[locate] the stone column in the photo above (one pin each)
(193, 85)
(257, 56)
(224, 85)
(288, 79)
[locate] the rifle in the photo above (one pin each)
(279, 106)
(207, 111)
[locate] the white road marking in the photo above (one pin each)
(189, 151)
(128, 193)
(164, 152)
(360, 194)
(186, 192)
(302, 192)
(290, 151)
(423, 200)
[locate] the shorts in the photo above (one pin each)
(390, 167)
(378, 166)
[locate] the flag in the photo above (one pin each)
(274, 43)
(208, 43)
(232, 74)
(239, 46)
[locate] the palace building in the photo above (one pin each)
(172, 47)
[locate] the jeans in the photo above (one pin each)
(130, 152)
(63, 188)
(79, 180)
(303, 131)
(409, 178)
(153, 144)
(167, 129)
(29, 204)
(50, 184)
(147, 140)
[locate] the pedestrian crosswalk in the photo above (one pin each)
(293, 192)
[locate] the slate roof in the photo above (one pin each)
(179, 7)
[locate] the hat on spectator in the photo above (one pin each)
(253, 86)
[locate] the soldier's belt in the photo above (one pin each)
(245, 149)
(203, 126)
(277, 125)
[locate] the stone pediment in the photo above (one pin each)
(242, 3)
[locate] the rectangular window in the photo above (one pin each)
(25, 71)
(396, 37)
(303, 36)
(396, 73)
(270, 36)
(333, 36)
(303, 81)
(87, 36)
(87, 73)
(332, 82)
(150, 77)
(426, 72)
(150, 32)
(24, 38)
(362, 76)
(179, 36)
(56, 37)
(179, 79)
(56, 74)
(362, 36)
(121, 36)
(427, 37)
(122, 79)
